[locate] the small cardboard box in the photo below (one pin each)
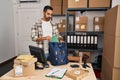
(80, 54)
(99, 3)
(77, 3)
(22, 70)
(98, 20)
(62, 26)
(81, 20)
(81, 23)
(65, 6)
(98, 27)
(77, 74)
(64, 10)
(57, 9)
(24, 66)
(98, 23)
(56, 4)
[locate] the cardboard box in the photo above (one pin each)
(65, 6)
(98, 27)
(77, 3)
(64, 9)
(56, 4)
(81, 20)
(62, 26)
(26, 70)
(80, 54)
(24, 66)
(57, 10)
(60, 6)
(99, 3)
(74, 58)
(98, 20)
(109, 72)
(112, 50)
(112, 21)
(25, 62)
(77, 74)
(98, 23)
(81, 23)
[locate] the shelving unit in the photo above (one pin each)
(82, 32)
(73, 32)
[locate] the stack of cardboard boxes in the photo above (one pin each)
(90, 4)
(24, 65)
(111, 52)
(98, 23)
(81, 23)
(60, 6)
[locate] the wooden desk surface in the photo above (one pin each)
(40, 74)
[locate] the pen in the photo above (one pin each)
(55, 71)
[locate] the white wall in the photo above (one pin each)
(25, 14)
(7, 44)
(115, 2)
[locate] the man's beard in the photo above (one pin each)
(49, 18)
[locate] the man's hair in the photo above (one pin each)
(47, 8)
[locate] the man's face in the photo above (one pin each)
(48, 15)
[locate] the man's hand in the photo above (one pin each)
(43, 38)
(40, 39)
(48, 38)
(60, 39)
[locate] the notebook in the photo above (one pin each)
(56, 73)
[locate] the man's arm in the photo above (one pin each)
(36, 33)
(43, 38)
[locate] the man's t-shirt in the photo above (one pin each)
(47, 31)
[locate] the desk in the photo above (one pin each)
(40, 74)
